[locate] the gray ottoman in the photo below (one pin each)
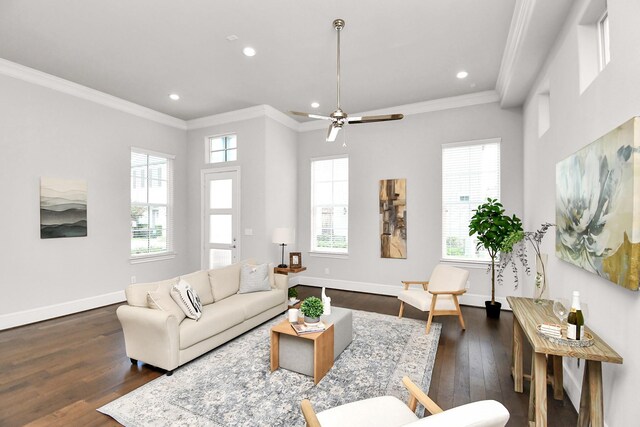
(297, 355)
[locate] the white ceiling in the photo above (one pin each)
(393, 53)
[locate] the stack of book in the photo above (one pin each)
(303, 328)
(551, 329)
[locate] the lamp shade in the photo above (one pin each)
(283, 236)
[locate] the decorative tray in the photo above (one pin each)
(584, 342)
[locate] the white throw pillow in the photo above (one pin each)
(161, 299)
(254, 278)
(187, 299)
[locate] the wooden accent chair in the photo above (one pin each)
(388, 411)
(438, 296)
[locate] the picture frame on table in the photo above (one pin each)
(295, 259)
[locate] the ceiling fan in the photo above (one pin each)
(339, 118)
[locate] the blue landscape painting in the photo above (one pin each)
(63, 208)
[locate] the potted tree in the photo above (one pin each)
(312, 308)
(495, 232)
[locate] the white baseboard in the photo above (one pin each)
(473, 300)
(25, 317)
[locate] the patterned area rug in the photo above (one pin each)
(232, 385)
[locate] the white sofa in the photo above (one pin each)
(163, 338)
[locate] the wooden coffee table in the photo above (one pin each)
(322, 348)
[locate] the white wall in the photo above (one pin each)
(411, 149)
(576, 120)
(266, 157)
(51, 134)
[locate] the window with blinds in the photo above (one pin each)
(151, 203)
(470, 174)
(330, 205)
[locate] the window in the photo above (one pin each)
(330, 205)
(603, 38)
(470, 174)
(223, 149)
(151, 203)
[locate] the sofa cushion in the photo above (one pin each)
(225, 281)
(160, 299)
(187, 299)
(137, 293)
(216, 318)
(254, 278)
(258, 302)
(199, 281)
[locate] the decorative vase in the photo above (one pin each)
(311, 320)
(541, 290)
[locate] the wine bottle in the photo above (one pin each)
(575, 321)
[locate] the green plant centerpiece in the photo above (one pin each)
(293, 294)
(312, 308)
(496, 233)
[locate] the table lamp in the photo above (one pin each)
(283, 237)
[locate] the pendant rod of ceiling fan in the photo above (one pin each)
(338, 28)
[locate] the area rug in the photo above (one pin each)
(233, 386)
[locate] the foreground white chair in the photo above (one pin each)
(438, 296)
(388, 411)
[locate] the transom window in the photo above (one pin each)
(470, 174)
(603, 38)
(151, 203)
(223, 148)
(330, 205)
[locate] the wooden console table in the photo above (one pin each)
(527, 314)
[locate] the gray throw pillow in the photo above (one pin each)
(254, 278)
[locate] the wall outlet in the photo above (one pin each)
(326, 271)
(133, 279)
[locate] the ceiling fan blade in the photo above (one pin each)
(371, 119)
(310, 115)
(333, 132)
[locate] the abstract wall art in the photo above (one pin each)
(598, 206)
(63, 208)
(393, 218)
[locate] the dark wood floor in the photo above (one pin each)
(59, 371)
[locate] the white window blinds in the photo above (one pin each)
(470, 174)
(151, 203)
(330, 205)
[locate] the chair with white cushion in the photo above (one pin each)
(389, 411)
(438, 296)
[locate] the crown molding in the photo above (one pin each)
(244, 114)
(477, 98)
(522, 15)
(30, 75)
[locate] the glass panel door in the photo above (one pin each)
(220, 219)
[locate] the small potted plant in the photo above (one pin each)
(312, 308)
(293, 295)
(495, 231)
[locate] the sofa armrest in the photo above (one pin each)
(150, 335)
(281, 281)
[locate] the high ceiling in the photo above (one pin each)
(393, 53)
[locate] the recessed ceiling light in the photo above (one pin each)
(174, 96)
(462, 74)
(314, 105)
(249, 51)
(232, 37)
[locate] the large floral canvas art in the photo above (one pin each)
(598, 206)
(393, 218)
(63, 208)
